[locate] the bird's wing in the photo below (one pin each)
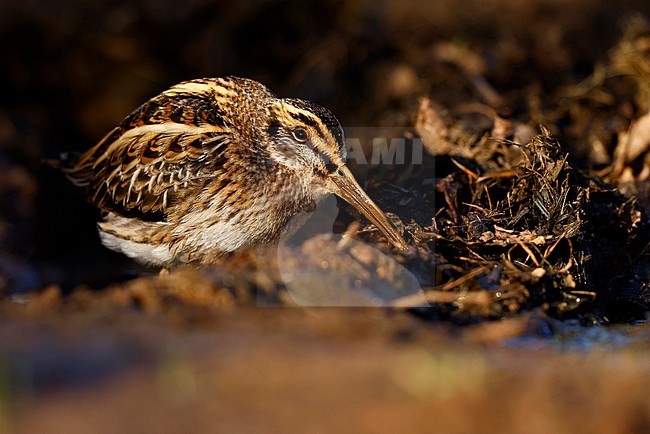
(140, 166)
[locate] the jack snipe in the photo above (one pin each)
(214, 165)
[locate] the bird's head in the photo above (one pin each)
(309, 139)
(305, 137)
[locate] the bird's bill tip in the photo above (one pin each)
(345, 186)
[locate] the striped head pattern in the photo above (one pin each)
(305, 136)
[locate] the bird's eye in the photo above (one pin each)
(300, 134)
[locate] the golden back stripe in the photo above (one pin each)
(200, 88)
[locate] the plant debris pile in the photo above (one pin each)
(520, 227)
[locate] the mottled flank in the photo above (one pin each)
(214, 165)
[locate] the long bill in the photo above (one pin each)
(344, 185)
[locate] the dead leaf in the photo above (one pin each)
(633, 143)
(432, 128)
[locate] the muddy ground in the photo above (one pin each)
(521, 306)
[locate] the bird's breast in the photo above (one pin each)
(262, 219)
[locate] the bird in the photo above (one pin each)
(212, 166)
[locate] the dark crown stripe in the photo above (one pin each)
(307, 120)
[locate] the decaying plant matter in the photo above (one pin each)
(524, 228)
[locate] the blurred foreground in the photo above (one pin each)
(189, 359)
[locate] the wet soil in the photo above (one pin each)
(192, 359)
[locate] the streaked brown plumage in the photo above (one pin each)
(214, 165)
